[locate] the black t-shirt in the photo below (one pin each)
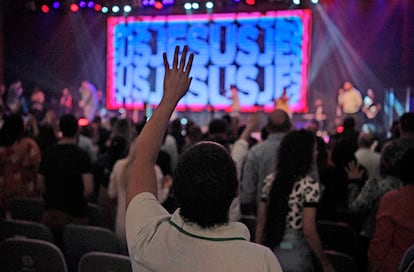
(62, 166)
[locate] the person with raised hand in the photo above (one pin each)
(198, 235)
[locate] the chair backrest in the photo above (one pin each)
(407, 261)
(21, 228)
(338, 236)
(81, 239)
(104, 262)
(23, 254)
(341, 262)
(27, 208)
(95, 215)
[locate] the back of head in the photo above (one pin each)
(407, 122)
(406, 171)
(349, 123)
(278, 121)
(68, 125)
(217, 126)
(12, 130)
(365, 140)
(294, 162)
(205, 184)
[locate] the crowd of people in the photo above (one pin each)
(175, 200)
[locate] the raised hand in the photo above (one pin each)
(177, 80)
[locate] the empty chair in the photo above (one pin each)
(341, 262)
(26, 208)
(95, 215)
(35, 230)
(407, 261)
(338, 236)
(81, 239)
(104, 262)
(23, 254)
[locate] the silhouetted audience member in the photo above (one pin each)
(392, 151)
(66, 179)
(394, 232)
(19, 161)
(261, 160)
(366, 156)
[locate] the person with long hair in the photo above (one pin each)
(287, 213)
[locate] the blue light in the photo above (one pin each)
(104, 9)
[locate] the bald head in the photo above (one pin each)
(278, 121)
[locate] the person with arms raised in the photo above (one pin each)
(198, 236)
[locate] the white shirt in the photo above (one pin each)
(370, 160)
(351, 101)
(156, 244)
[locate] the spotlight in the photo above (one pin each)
(251, 2)
(158, 5)
(115, 9)
(315, 1)
(209, 5)
(56, 5)
(296, 2)
(105, 9)
(98, 7)
(82, 4)
(91, 4)
(45, 8)
(168, 2)
(187, 6)
(127, 8)
(74, 7)
(195, 5)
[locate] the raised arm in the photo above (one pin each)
(141, 175)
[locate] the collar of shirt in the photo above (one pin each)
(231, 231)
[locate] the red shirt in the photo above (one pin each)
(394, 232)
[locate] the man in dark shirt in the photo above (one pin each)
(65, 178)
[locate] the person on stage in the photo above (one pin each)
(350, 102)
(372, 114)
(235, 106)
(282, 103)
(89, 100)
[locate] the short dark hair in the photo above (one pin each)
(278, 121)
(407, 122)
(406, 171)
(205, 184)
(68, 125)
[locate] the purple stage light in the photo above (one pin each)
(82, 4)
(56, 5)
(168, 2)
(91, 4)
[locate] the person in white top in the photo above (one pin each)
(350, 102)
(198, 236)
(366, 155)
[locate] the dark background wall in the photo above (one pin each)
(369, 42)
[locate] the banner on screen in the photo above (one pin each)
(259, 53)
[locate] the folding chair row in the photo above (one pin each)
(23, 254)
(31, 209)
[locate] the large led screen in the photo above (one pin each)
(259, 53)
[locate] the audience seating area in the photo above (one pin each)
(26, 244)
(23, 254)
